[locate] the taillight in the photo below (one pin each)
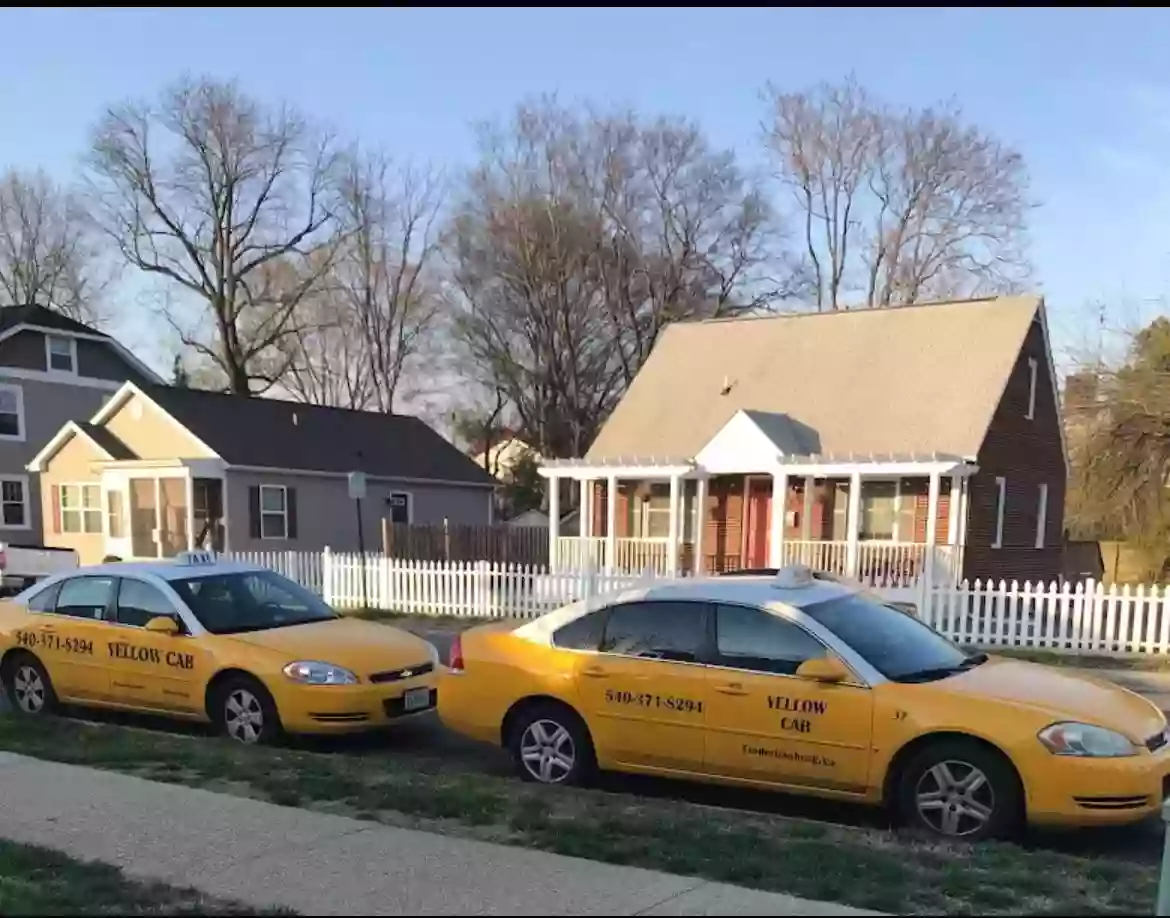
(455, 659)
(3, 560)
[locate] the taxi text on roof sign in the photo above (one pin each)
(195, 558)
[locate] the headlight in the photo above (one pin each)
(1086, 741)
(313, 672)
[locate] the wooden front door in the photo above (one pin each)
(757, 522)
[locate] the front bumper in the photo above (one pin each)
(356, 708)
(1099, 792)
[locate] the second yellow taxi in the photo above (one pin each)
(808, 686)
(234, 644)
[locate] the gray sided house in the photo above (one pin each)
(52, 368)
(159, 470)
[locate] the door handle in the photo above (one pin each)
(594, 672)
(731, 688)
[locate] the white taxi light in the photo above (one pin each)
(195, 558)
(314, 672)
(794, 577)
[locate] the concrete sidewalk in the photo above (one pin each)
(317, 864)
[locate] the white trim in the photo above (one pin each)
(55, 445)
(125, 392)
(1042, 516)
(23, 481)
(81, 509)
(281, 513)
(1033, 372)
(122, 351)
(392, 479)
(1042, 311)
(881, 469)
(19, 392)
(61, 379)
(71, 343)
(636, 472)
(1000, 508)
(409, 495)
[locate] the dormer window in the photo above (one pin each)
(62, 353)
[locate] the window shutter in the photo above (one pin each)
(291, 498)
(254, 511)
(55, 491)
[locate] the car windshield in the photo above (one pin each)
(250, 601)
(896, 644)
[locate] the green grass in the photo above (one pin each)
(36, 881)
(868, 868)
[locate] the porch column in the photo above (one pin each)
(611, 499)
(954, 510)
(931, 526)
(853, 525)
(810, 488)
(779, 513)
(700, 525)
(585, 509)
(673, 546)
(554, 520)
(190, 483)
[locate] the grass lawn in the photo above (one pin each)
(36, 881)
(864, 867)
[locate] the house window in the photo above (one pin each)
(62, 353)
(1042, 516)
(273, 512)
(1033, 369)
(398, 506)
(1000, 501)
(654, 520)
(14, 503)
(114, 514)
(11, 412)
(879, 510)
(80, 508)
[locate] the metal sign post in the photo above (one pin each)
(357, 490)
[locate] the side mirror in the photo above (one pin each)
(823, 669)
(163, 624)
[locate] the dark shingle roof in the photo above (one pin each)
(107, 441)
(272, 433)
(32, 314)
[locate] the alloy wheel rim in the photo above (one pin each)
(954, 798)
(243, 716)
(547, 751)
(29, 689)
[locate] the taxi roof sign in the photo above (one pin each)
(195, 558)
(794, 577)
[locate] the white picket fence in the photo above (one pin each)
(1087, 618)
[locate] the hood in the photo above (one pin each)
(1062, 695)
(360, 646)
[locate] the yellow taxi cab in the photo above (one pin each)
(807, 686)
(204, 639)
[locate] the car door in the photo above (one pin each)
(644, 691)
(66, 630)
(148, 669)
(765, 723)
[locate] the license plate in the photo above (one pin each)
(416, 699)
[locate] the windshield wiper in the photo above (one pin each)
(941, 672)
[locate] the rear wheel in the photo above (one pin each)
(244, 711)
(960, 790)
(551, 745)
(29, 688)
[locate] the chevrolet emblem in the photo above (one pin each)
(407, 673)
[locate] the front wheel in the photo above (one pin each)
(961, 791)
(550, 745)
(244, 711)
(29, 688)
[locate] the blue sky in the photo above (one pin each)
(1084, 93)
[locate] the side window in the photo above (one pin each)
(583, 634)
(675, 631)
(139, 602)
(45, 600)
(85, 597)
(756, 640)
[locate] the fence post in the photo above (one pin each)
(481, 608)
(327, 576)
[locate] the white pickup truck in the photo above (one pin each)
(23, 565)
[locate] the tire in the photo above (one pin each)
(28, 686)
(962, 791)
(243, 710)
(551, 745)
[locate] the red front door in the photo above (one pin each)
(757, 521)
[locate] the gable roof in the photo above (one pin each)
(270, 433)
(907, 380)
(105, 439)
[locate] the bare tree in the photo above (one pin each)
(897, 206)
(48, 255)
(579, 237)
(227, 199)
